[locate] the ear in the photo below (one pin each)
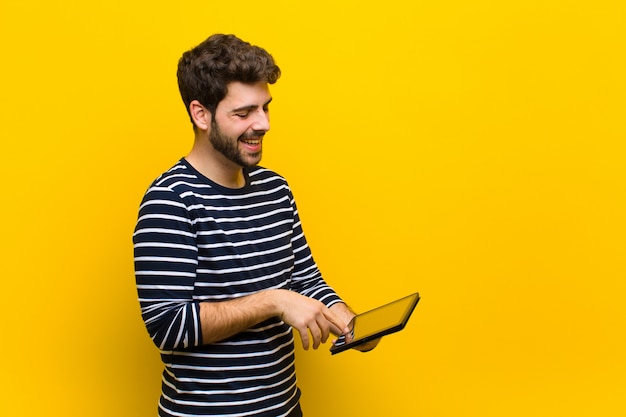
(200, 115)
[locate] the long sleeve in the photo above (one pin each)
(165, 269)
(307, 278)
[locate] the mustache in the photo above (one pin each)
(257, 134)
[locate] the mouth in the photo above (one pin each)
(252, 144)
(252, 141)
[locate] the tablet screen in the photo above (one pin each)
(378, 322)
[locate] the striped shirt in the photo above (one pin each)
(196, 241)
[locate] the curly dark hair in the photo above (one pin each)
(205, 71)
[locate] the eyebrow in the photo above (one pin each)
(250, 107)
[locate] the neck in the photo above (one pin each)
(213, 165)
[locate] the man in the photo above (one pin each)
(223, 269)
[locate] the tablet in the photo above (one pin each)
(381, 321)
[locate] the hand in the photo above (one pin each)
(344, 312)
(366, 347)
(311, 318)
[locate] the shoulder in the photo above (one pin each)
(260, 176)
(178, 181)
(167, 192)
(179, 175)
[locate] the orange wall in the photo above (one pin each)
(472, 151)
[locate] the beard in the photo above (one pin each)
(229, 146)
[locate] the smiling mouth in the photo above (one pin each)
(252, 141)
(252, 138)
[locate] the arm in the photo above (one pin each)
(306, 277)
(311, 318)
(308, 281)
(165, 264)
(165, 269)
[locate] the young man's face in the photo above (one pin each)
(240, 123)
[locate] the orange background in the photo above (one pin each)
(471, 151)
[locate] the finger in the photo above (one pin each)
(337, 325)
(349, 336)
(316, 334)
(304, 336)
(334, 329)
(324, 326)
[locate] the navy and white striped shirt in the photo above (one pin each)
(197, 241)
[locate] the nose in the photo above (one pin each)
(261, 121)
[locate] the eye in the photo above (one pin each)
(242, 115)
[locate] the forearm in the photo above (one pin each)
(221, 320)
(311, 318)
